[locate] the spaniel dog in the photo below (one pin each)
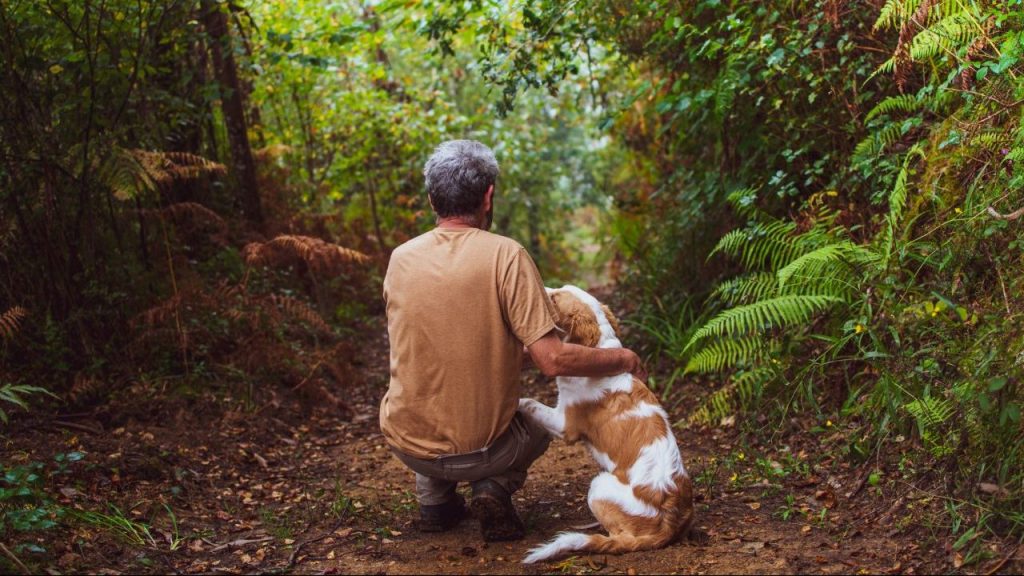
(643, 496)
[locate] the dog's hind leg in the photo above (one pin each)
(550, 419)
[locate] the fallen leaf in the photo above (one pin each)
(754, 505)
(992, 489)
(805, 529)
(752, 547)
(827, 497)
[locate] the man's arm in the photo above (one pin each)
(557, 358)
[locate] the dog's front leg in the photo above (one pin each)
(550, 419)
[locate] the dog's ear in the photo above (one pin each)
(576, 319)
(611, 319)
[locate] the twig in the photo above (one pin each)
(77, 426)
(14, 559)
(241, 542)
(1011, 216)
(299, 546)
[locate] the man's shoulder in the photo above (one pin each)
(499, 240)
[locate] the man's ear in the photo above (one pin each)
(489, 198)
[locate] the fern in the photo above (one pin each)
(129, 173)
(725, 353)
(742, 389)
(15, 394)
(760, 245)
(876, 143)
(10, 322)
(901, 103)
(745, 289)
(301, 311)
(931, 413)
(947, 36)
(775, 312)
(844, 252)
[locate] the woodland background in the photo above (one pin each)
(809, 211)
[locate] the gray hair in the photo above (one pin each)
(458, 174)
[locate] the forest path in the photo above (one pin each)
(742, 519)
(188, 481)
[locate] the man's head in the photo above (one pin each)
(459, 175)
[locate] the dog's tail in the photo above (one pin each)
(593, 543)
(676, 518)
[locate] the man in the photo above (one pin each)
(462, 304)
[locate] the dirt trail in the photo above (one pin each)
(746, 532)
(280, 488)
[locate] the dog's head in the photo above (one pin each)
(583, 319)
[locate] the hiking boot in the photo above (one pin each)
(492, 506)
(442, 517)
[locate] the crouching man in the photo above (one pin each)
(462, 304)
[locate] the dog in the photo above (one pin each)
(643, 496)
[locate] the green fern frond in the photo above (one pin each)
(764, 315)
(876, 143)
(743, 201)
(989, 141)
(769, 244)
(844, 253)
(742, 389)
(931, 413)
(894, 12)
(15, 394)
(902, 103)
(725, 353)
(947, 36)
(745, 289)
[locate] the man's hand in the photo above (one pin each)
(636, 366)
(557, 358)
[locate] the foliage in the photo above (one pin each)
(25, 505)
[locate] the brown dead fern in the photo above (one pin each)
(129, 172)
(10, 322)
(299, 310)
(322, 258)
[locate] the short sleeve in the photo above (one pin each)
(525, 303)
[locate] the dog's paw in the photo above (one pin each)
(528, 404)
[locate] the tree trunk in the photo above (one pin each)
(215, 20)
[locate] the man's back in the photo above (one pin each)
(461, 303)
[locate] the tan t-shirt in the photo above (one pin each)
(461, 304)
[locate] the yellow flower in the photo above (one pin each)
(858, 328)
(56, 69)
(828, 423)
(740, 456)
(958, 210)
(832, 193)
(733, 477)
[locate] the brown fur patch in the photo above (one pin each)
(576, 319)
(611, 319)
(620, 438)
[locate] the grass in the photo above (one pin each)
(131, 531)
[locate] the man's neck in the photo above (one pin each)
(459, 222)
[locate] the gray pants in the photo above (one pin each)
(504, 462)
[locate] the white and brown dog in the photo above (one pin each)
(643, 497)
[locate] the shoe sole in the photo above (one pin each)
(498, 522)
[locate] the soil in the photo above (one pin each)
(287, 487)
